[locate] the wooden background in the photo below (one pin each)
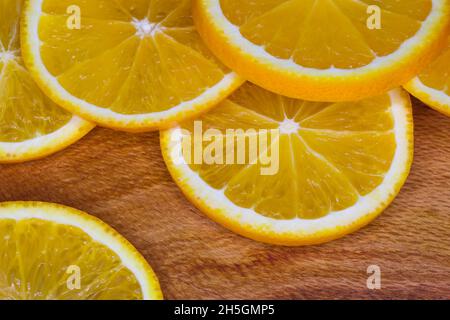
(121, 178)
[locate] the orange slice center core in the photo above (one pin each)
(7, 56)
(145, 28)
(289, 126)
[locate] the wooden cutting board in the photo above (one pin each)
(121, 178)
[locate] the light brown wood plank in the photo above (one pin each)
(121, 178)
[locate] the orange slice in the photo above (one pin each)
(31, 125)
(328, 50)
(133, 65)
(52, 252)
(333, 168)
(432, 85)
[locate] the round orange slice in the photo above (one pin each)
(53, 252)
(132, 65)
(328, 50)
(292, 172)
(432, 85)
(31, 125)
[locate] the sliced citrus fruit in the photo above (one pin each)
(134, 65)
(52, 252)
(328, 50)
(334, 167)
(31, 125)
(432, 85)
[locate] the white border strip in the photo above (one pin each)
(436, 96)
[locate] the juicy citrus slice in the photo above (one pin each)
(134, 65)
(432, 86)
(328, 50)
(31, 125)
(339, 164)
(45, 247)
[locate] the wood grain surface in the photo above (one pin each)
(121, 178)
